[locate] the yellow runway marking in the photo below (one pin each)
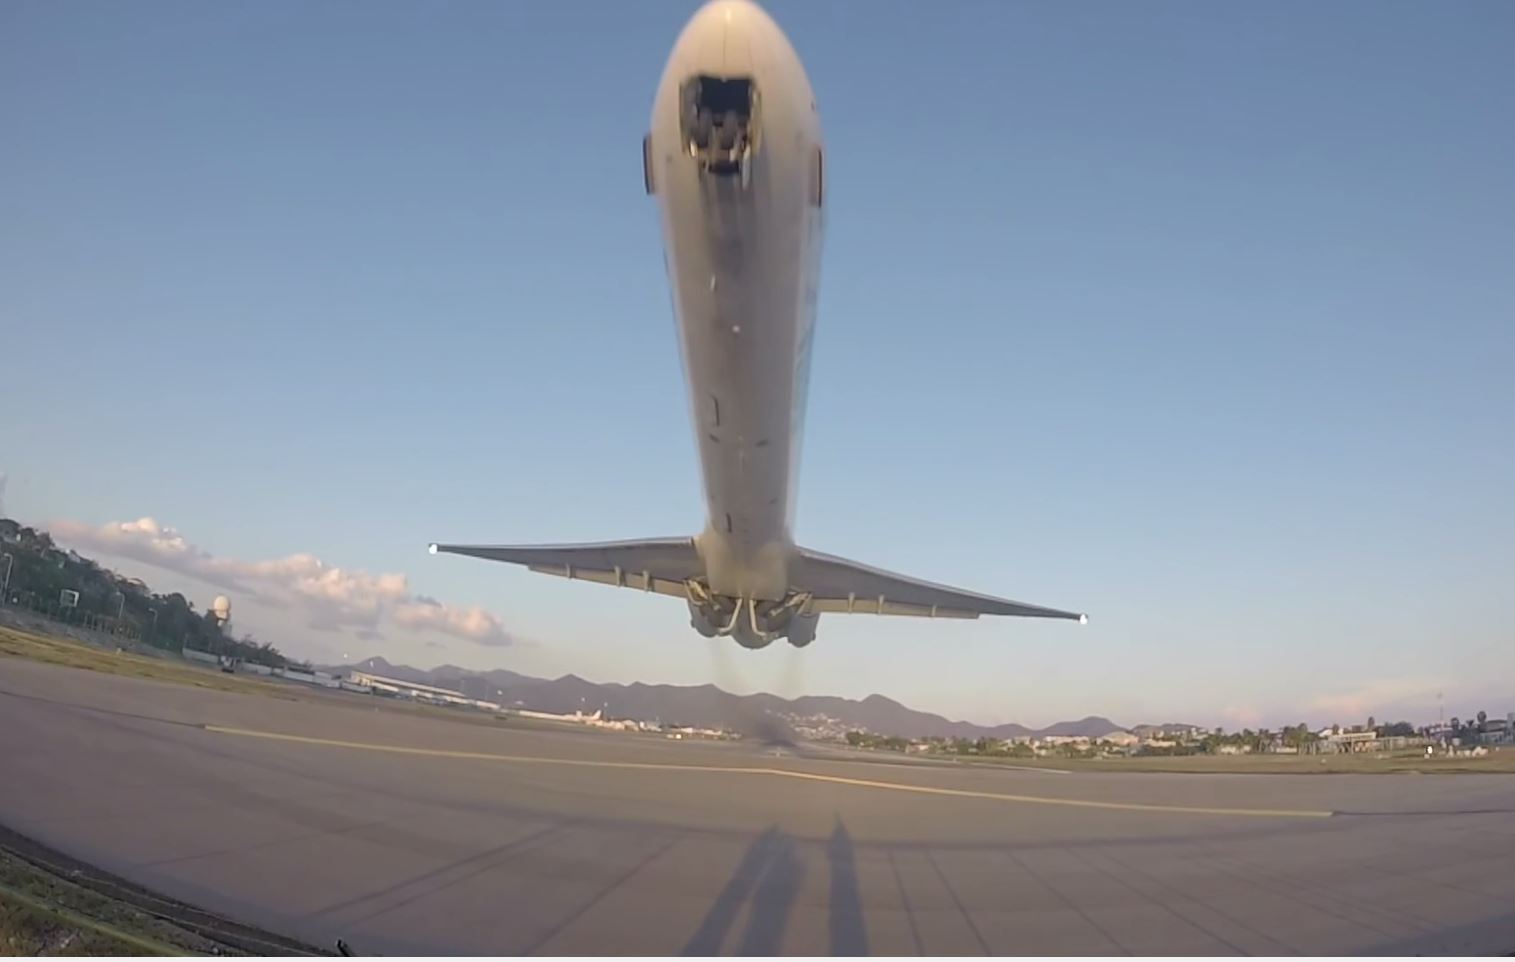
(777, 772)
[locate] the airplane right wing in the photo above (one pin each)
(659, 565)
(849, 587)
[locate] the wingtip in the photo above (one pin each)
(1082, 619)
(431, 548)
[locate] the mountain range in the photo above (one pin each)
(707, 706)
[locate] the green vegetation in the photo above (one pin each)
(985, 747)
(53, 905)
(40, 571)
(890, 743)
(1298, 738)
(69, 653)
(55, 651)
(1203, 755)
(41, 913)
(1344, 763)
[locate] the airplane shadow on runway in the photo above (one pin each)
(849, 936)
(769, 875)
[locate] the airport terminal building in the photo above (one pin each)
(395, 687)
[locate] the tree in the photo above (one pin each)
(1483, 718)
(40, 571)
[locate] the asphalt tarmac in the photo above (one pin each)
(402, 834)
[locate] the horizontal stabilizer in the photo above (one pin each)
(839, 585)
(660, 565)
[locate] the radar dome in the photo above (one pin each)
(221, 607)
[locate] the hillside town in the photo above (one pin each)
(1456, 737)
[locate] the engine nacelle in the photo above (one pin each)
(750, 639)
(802, 629)
(753, 624)
(702, 618)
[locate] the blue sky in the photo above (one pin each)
(1196, 317)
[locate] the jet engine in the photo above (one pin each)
(802, 629)
(754, 624)
(705, 620)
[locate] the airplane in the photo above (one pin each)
(736, 162)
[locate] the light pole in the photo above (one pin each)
(5, 587)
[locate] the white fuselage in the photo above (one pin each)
(735, 159)
(743, 254)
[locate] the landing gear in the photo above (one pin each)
(753, 623)
(802, 629)
(699, 620)
(719, 123)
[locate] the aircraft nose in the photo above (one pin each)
(722, 34)
(727, 10)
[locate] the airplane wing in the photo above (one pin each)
(659, 565)
(844, 586)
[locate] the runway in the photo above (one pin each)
(403, 834)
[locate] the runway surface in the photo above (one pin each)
(403, 834)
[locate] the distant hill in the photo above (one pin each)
(707, 705)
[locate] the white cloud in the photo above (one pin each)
(474, 624)
(146, 540)
(331, 598)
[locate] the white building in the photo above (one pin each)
(431, 694)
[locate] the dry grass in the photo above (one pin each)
(73, 654)
(56, 651)
(44, 914)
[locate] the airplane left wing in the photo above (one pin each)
(849, 587)
(660, 565)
